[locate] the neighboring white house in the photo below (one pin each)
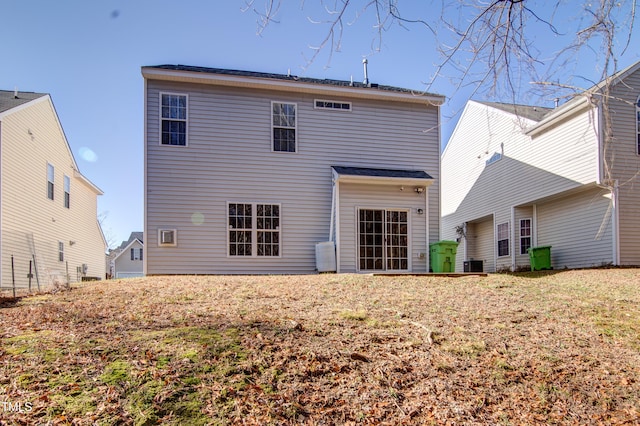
(246, 172)
(127, 262)
(515, 177)
(48, 208)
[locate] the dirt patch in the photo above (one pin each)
(533, 348)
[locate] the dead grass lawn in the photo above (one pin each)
(535, 348)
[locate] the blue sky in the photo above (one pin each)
(88, 54)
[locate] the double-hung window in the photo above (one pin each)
(283, 125)
(525, 235)
(67, 191)
(503, 239)
(254, 229)
(50, 180)
(136, 253)
(60, 251)
(173, 119)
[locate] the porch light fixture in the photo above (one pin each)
(419, 189)
(420, 211)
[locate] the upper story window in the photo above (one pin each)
(60, 251)
(283, 124)
(503, 239)
(174, 119)
(67, 191)
(136, 253)
(50, 180)
(335, 105)
(638, 126)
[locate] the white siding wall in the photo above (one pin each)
(625, 164)
(561, 159)
(479, 245)
(27, 211)
(578, 228)
(229, 159)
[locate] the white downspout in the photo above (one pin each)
(333, 207)
(337, 190)
(513, 235)
(426, 219)
(534, 231)
(616, 224)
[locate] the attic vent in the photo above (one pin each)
(342, 106)
(495, 157)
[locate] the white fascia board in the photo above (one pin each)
(286, 86)
(83, 179)
(583, 102)
(381, 180)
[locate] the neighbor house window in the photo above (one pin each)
(503, 239)
(254, 229)
(525, 235)
(174, 119)
(50, 179)
(136, 254)
(61, 251)
(167, 238)
(283, 124)
(67, 191)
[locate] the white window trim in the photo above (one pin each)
(254, 230)
(51, 180)
(67, 191)
(315, 106)
(530, 236)
(498, 255)
(175, 237)
(186, 127)
(295, 128)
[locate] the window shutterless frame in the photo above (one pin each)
(254, 230)
(167, 237)
(331, 105)
(173, 116)
(50, 181)
(284, 127)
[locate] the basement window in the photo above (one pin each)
(334, 105)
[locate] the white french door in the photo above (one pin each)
(383, 237)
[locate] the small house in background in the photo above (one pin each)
(126, 260)
(49, 226)
(516, 177)
(251, 172)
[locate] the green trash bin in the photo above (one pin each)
(540, 258)
(443, 256)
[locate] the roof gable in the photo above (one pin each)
(13, 99)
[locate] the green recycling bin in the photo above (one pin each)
(540, 258)
(443, 256)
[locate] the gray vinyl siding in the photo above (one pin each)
(625, 166)
(578, 227)
(229, 159)
(378, 197)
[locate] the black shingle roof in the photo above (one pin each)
(285, 77)
(531, 112)
(8, 99)
(392, 173)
